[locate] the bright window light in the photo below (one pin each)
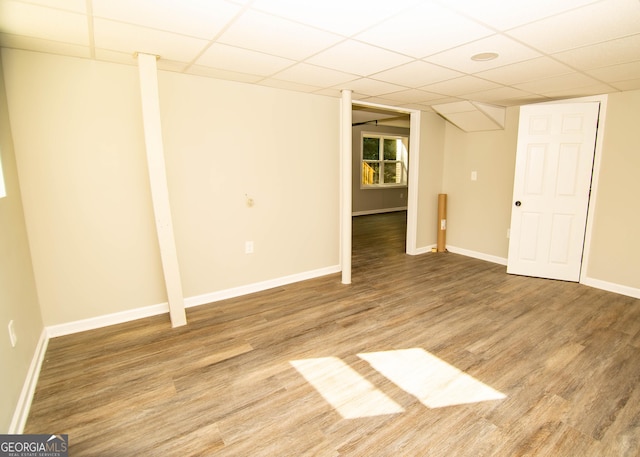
(345, 389)
(431, 380)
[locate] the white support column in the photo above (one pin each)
(159, 190)
(345, 186)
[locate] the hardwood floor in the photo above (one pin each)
(564, 357)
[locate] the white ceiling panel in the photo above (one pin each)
(529, 70)
(615, 73)
(373, 88)
(412, 95)
(459, 86)
(118, 36)
(563, 82)
(416, 74)
(42, 45)
(424, 30)
(280, 37)
(77, 6)
(242, 60)
(508, 50)
(358, 58)
(222, 74)
(548, 49)
(35, 21)
(602, 54)
(198, 18)
(312, 75)
(338, 16)
(591, 24)
(505, 15)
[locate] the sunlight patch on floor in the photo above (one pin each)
(345, 389)
(431, 380)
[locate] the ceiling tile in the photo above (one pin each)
(602, 54)
(631, 84)
(343, 17)
(222, 74)
(372, 88)
(509, 51)
(519, 72)
(556, 83)
(503, 96)
(412, 95)
(288, 85)
(279, 37)
(472, 121)
(573, 92)
(602, 21)
(40, 45)
(242, 60)
(459, 86)
(416, 74)
(614, 73)
(423, 30)
(358, 58)
(198, 18)
(312, 75)
(126, 38)
(77, 6)
(46, 23)
(508, 14)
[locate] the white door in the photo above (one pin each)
(554, 164)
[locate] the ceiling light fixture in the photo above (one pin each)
(484, 56)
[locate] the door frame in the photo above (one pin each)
(602, 115)
(346, 154)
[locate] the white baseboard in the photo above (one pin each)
(162, 308)
(611, 287)
(21, 413)
(106, 320)
(258, 286)
(422, 250)
(477, 255)
(378, 211)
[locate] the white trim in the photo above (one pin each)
(106, 320)
(346, 179)
(379, 211)
(21, 413)
(478, 255)
(611, 287)
(258, 286)
(425, 249)
(162, 308)
(151, 121)
(413, 183)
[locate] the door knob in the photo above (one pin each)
(518, 203)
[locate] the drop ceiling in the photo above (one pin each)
(405, 53)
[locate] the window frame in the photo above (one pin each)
(381, 161)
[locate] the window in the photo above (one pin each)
(384, 160)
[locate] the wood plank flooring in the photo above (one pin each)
(566, 357)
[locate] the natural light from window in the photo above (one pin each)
(434, 382)
(431, 380)
(345, 389)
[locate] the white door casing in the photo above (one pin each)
(554, 166)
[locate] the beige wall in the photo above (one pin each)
(479, 212)
(79, 145)
(431, 163)
(615, 246)
(18, 297)
(225, 141)
(86, 190)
